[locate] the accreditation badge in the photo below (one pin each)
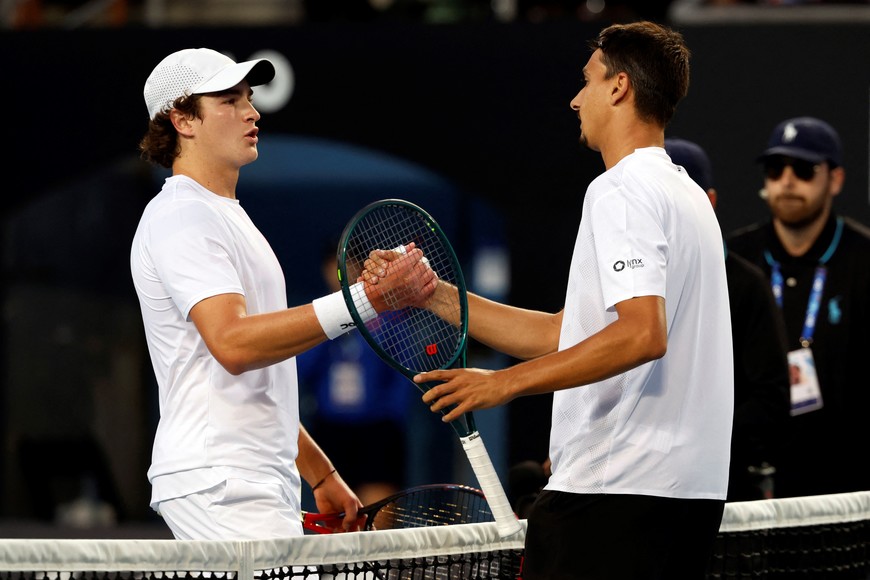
(806, 395)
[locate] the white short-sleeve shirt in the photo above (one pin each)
(663, 428)
(192, 244)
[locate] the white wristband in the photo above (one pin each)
(333, 315)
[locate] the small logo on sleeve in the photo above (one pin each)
(633, 263)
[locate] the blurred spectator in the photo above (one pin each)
(816, 263)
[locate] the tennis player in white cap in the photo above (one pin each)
(229, 452)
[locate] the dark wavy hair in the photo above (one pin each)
(160, 143)
(656, 60)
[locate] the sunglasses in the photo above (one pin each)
(803, 170)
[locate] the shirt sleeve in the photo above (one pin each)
(192, 254)
(631, 246)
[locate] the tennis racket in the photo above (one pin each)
(416, 507)
(414, 340)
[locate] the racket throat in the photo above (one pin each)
(464, 425)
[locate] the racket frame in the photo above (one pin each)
(466, 426)
(330, 523)
(472, 442)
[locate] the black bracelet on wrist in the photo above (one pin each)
(325, 477)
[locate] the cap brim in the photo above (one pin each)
(257, 72)
(792, 152)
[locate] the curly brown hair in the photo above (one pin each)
(160, 143)
(656, 60)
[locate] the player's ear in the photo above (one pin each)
(620, 86)
(181, 122)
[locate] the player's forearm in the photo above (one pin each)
(313, 464)
(250, 342)
(520, 333)
(618, 348)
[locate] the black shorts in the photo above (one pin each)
(616, 537)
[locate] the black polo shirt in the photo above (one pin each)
(825, 450)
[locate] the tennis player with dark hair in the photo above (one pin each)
(639, 358)
(229, 450)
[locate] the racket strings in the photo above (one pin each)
(416, 338)
(432, 508)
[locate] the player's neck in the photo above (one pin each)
(635, 135)
(797, 240)
(219, 180)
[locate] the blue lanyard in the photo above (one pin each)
(819, 277)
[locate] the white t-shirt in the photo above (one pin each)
(663, 428)
(192, 244)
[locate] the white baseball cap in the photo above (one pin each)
(194, 71)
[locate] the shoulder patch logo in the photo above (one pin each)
(632, 263)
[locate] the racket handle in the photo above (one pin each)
(505, 519)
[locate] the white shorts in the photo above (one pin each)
(235, 509)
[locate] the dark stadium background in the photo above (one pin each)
(479, 110)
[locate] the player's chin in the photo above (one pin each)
(250, 155)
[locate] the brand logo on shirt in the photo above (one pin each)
(633, 263)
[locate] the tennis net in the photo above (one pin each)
(826, 536)
(813, 537)
(445, 552)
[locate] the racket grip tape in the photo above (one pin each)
(506, 520)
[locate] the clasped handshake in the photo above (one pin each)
(398, 278)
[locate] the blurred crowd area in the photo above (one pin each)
(70, 14)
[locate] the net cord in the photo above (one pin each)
(793, 512)
(243, 557)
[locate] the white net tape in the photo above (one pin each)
(796, 511)
(243, 557)
(823, 536)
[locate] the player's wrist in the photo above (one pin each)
(361, 302)
(334, 316)
(332, 473)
